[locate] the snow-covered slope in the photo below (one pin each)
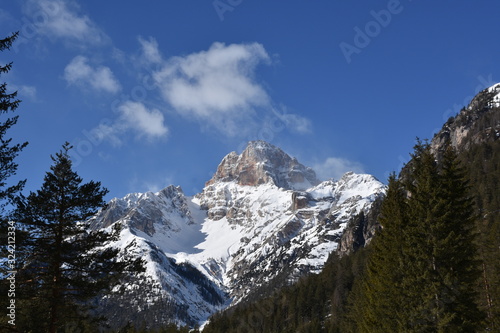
(262, 218)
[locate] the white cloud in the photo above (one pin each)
(150, 52)
(79, 72)
(62, 19)
(135, 117)
(216, 87)
(336, 167)
(145, 122)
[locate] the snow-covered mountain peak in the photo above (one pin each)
(263, 220)
(364, 184)
(350, 184)
(262, 162)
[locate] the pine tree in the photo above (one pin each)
(419, 257)
(483, 165)
(8, 151)
(381, 288)
(442, 263)
(457, 264)
(67, 266)
(423, 269)
(8, 168)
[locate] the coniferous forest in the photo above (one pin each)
(432, 266)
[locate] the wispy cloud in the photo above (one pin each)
(79, 72)
(336, 167)
(294, 122)
(298, 123)
(150, 52)
(158, 183)
(63, 19)
(25, 91)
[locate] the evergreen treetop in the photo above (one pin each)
(67, 264)
(8, 151)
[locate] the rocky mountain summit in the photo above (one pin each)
(262, 163)
(261, 222)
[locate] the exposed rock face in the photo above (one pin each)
(262, 163)
(360, 229)
(142, 211)
(478, 122)
(300, 200)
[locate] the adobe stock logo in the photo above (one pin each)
(221, 7)
(364, 36)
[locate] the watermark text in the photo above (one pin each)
(11, 272)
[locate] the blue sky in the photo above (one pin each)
(154, 93)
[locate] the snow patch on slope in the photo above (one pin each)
(495, 89)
